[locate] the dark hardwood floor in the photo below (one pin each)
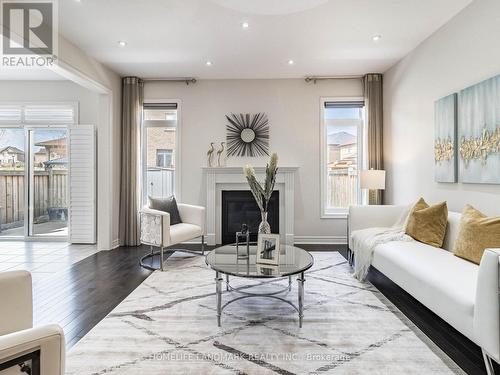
(80, 296)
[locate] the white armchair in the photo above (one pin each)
(156, 230)
(40, 349)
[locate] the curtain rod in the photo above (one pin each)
(314, 79)
(189, 80)
(186, 80)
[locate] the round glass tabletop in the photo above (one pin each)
(225, 259)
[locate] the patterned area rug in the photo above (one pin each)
(168, 326)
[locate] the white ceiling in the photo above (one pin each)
(174, 38)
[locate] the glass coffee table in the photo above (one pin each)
(225, 261)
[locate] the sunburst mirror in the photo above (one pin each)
(247, 135)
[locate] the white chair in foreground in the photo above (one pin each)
(39, 350)
(156, 230)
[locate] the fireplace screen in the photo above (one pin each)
(239, 207)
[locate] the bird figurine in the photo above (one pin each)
(210, 153)
(219, 153)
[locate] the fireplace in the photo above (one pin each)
(219, 179)
(239, 207)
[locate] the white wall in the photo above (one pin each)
(76, 65)
(463, 52)
(53, 91)
(293, 108)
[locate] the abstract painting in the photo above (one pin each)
(247, 135)
(445, 140)
(479, 132)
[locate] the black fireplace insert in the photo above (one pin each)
(239, 207)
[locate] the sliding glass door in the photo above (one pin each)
(12, 186)
(48, 187)
(33, 182)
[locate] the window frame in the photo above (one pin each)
(164, 153)
(143, 151)
(338, 212)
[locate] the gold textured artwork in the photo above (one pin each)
(443, 150)
(445, 139)
(479, 148)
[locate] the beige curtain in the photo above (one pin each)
(132, 102)
(372, 87)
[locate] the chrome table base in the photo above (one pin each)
(229, 288)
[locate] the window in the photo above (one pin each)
(341, 154)
(164, 158)
(159, 149)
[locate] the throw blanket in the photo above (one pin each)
(364, 241)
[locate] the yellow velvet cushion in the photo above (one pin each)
(477, 233)
(427, 224)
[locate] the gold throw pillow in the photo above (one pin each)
(427, 224)
(477, 233)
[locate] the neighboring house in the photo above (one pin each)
(161, 147)
(55, 148)
(11, 156)
(40, 157)
(342, 151)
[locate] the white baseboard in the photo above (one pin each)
(327, 240)
(115, 243)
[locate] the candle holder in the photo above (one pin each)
(245, 235)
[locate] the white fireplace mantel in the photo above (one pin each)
(218, 179)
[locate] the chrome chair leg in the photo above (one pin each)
(161, 252)
(161, 258)
(488, 363)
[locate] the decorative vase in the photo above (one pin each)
(264, 226)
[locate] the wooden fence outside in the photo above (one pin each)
(50, 190)
(342, 188)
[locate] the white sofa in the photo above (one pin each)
(462, 293)
(17, 335)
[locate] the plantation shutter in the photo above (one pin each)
(10, 114)
(39, 114)
(82, 184)
(50, 114)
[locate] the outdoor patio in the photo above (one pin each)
(48, 229)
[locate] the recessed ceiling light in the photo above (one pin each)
(376, 38)
(245, 25)
(208, 63)
(291, 62)
(122, 43)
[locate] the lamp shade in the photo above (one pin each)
(373, 179)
